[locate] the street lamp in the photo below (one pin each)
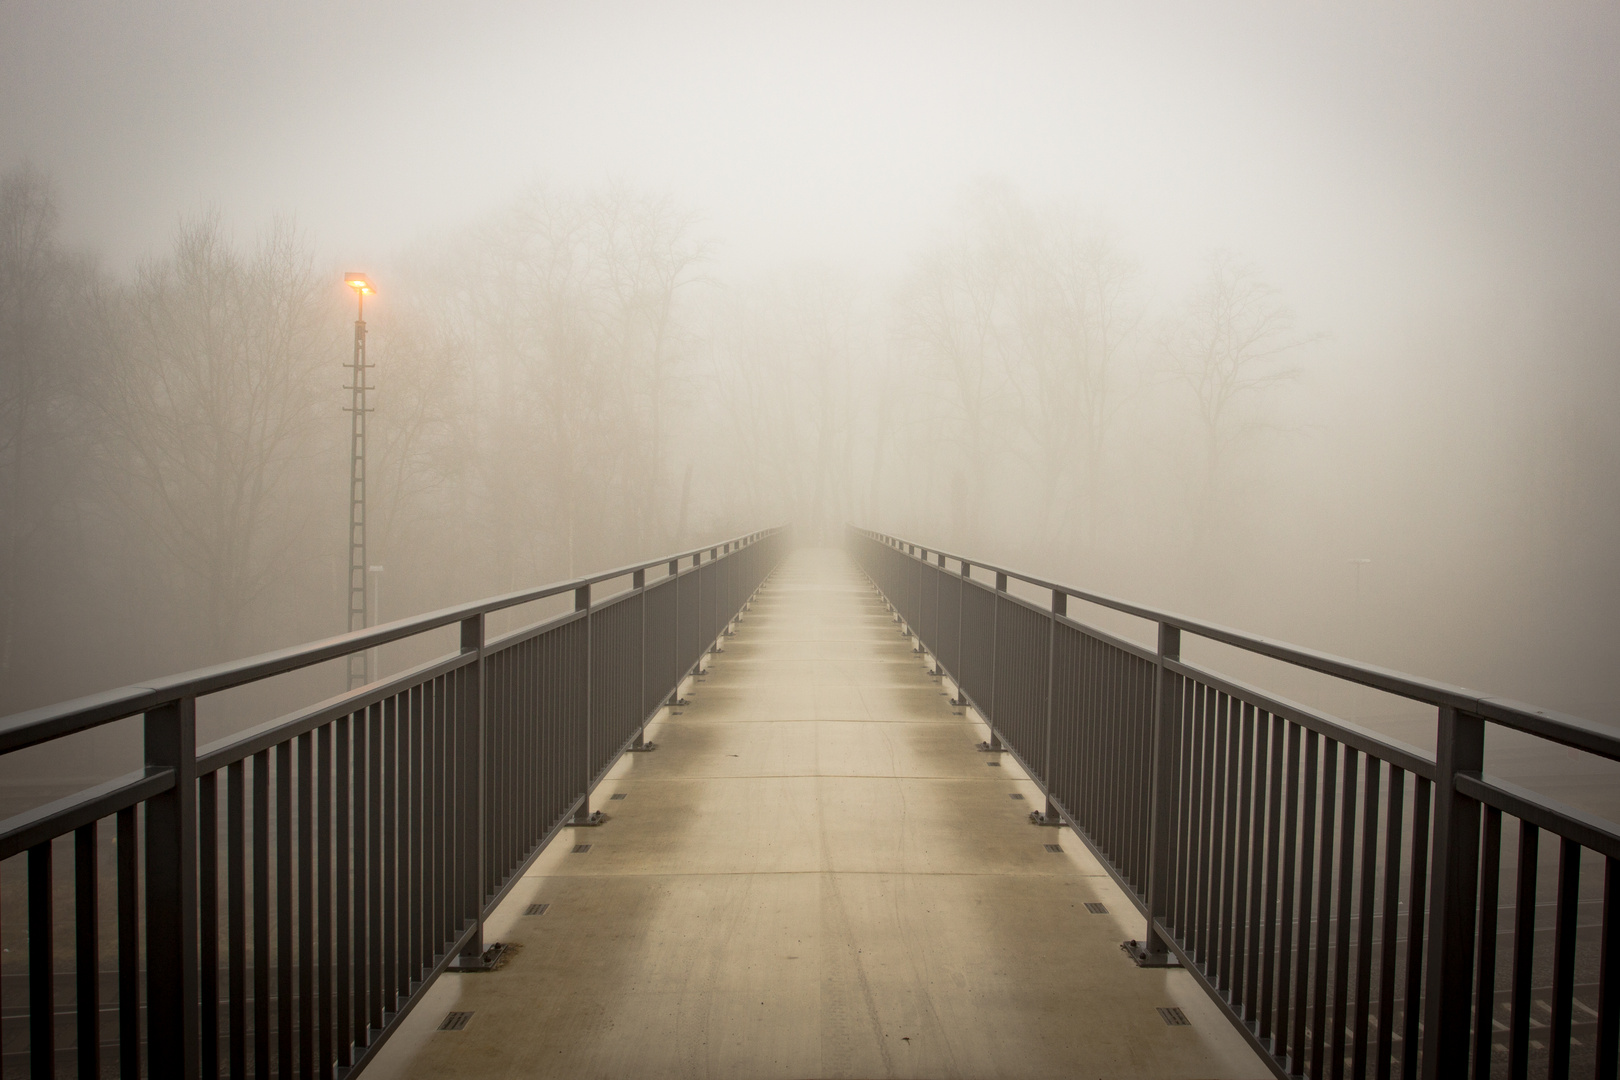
(359, 663)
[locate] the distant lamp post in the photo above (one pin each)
(376, 615)
(359, 663)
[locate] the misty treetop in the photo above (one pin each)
(568, 382)
(560, 385)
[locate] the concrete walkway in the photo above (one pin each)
(817, 875)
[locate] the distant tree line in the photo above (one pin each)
(563, 385)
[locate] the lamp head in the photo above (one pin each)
(359, 283)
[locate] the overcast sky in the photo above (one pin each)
(1370, 150)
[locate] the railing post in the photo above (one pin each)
(638, 581)
(1454, 881)
(961, 606)
(1151, 950)
(675, 650)
(471, 957)
(994, 746)
(940, 559)
(917, 605)
(1050, 815)
(582, 813)
(172, 1047)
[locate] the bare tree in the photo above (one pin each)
(218, 360)
(420, 443)
(647, 254)
(43, 439)
(795, 375)
(953, 317)
(1074, 309)
(571, 316)
(1231, 345)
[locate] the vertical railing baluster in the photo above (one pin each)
(1161, 780)
(261, 914)
(1490, 873)
(284, 910)
(1226, 797)
(638, 582)
(1364, 937)
(1389, 935)
(1416, 926)
(1321, 957)
(342, 873)
(41, 966)
(1524, 947)
(413, 801)
(129, 944)
(374, 873)
(1286, 964)
(1347, 873)
(582, 603)
(1608, 1020)
(390, 855)
(472, 800)
(323, 896)
(1271, 770)
(1567, 911)
(208, 919)
(1060, 607)
(1307, 849)
(360, 870)
(1243, 927)
(305, 751)
(236, 912)
(87, 952)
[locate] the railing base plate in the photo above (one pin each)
(986, 748)
(596, 818)
(1142, 958)
(488, 960)
(644, 747)
(1038, 818)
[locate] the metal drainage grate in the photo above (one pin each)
(1056, 849)
(457, 1020)
(620, 795)
(1096, 909)
(1174, 1017)
(1017, 796)
(994, 764)
(580, 849)
(538, 909)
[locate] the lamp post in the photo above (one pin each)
(359, 662)
(376, 616)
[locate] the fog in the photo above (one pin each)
(1301, 319)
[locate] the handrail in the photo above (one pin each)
(48, 722)
(405, 809)
(1260, 838)
(1567, 730)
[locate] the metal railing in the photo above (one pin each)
(1337, 893)
(284, 897)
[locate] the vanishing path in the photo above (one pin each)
(817, 874)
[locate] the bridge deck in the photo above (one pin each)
(817, 875)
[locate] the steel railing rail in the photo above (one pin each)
(284, 897)
(1335, 892)
(49, 722)
(1572, 731)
